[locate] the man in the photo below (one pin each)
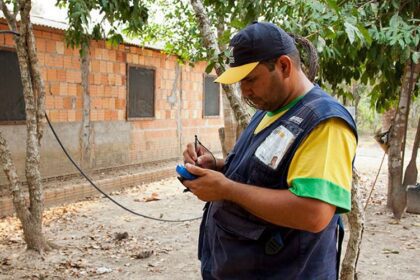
(275, 199)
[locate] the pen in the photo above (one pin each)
(196, 148)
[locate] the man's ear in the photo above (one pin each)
(284, 63)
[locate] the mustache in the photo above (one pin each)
(249, 102)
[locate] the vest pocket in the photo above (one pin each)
(236, 225)
(263, 176)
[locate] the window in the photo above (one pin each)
(211, 97)
(141, 92)
(12, 105)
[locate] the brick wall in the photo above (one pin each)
(116, 140)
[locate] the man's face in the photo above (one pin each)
(265, 89)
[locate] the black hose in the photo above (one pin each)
(105, 194)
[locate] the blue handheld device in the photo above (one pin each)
(183, 172)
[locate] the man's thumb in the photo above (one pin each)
(195, 170)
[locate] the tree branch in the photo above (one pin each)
(11, 19)
(39, 87)
(11, 174)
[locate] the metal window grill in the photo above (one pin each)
(12, 103)
(141, 92)
(211, 97)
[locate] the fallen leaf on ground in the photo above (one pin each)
(153, 197)
(390, 251)
(103, 270)
(121, 235)
(143, 254)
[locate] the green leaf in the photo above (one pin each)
(350, 30)
(365, 34)
(320, 44)
(395, 21)
(415, 56)
(210, 67)
(333, 5)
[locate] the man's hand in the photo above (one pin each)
(210, 185)
(200, 157)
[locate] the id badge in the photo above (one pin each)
(272, 150)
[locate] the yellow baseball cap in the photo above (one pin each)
(257, 42)
(235, 74)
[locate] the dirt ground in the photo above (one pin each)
(98, 240)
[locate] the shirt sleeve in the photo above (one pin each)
(322, 166)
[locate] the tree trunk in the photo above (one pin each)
(86, 129)
(356, 219)
(411, 172)
(34, 96)
(229, 129)
(397, 199)
(227, 133)
(388, 119)
(210, 42)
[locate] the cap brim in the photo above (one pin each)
(235, 74)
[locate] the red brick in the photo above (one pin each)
(108, 91)
(71, 89)
(79, 115)
(74, 76)
(67, 60)
(112, 55)
(97, 78)
(93, 115)
(95, 66)
(122, 69)
(101, 115)
(37, 33)
(79, 103)
(54, 115)
(59, 47)
(111, 79)
(120, 104)
(79, 90)
(9, 41)
(121, 57)
(57, 37)
(61, 75)
(53, 88)
(41, 45)
(46, 34)
(107, 115)
(67, 102)
(75, 62)
(51, 47)
(70, 52)
(111, 104)
(49, 102)
(104, 79)
(102, 66)
(58, 102)
(63, 116)
(51, 75)
(114, 115)
(96, 103)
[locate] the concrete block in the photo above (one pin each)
(413, 199)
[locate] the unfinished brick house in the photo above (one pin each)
(144, 108)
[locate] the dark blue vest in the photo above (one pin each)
(235, 244)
